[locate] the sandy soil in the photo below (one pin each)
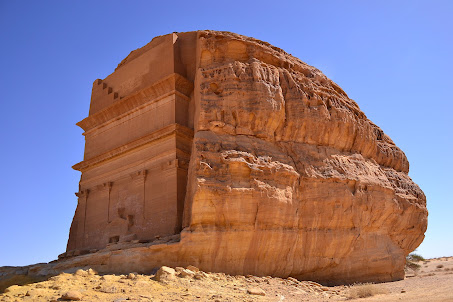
(433, 282)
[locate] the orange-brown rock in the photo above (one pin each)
(255, 163)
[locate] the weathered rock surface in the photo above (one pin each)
(287, 177)
(165, 273)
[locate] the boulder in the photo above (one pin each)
(165, 274)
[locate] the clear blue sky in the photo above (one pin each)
(393, 57)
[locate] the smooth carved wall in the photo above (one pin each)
(137, 147)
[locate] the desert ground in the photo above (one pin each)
(432, 282)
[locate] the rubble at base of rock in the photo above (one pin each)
(178, 283)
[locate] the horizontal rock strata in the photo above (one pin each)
(286, 176)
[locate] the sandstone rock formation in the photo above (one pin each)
(222, 151)
(288, 177)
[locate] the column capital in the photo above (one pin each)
(139, 175)
(106, 185)
(83, 193)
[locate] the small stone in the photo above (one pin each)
(72, 295)
(256, 291)
(131, 276)
(81, 272)
(179, 269)
(403, 291)
(92, 272)
(165, 273)
(293, 279)
(193, 268)
(314, 283)
(198, 276)
(186, 273)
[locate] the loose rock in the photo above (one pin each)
(193, 268)
(131, 276)
(256, 291)
(186, 273)
(165, 273)
(81, 272)
(72, 296)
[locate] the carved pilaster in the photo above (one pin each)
(139, 178)
(107, 187)
(83, 204)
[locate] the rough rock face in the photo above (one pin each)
(286, 176)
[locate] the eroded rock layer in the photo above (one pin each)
(286, 177)
(289, 177)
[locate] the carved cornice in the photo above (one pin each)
(172, 84)
(174, 129)
(83, 193)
